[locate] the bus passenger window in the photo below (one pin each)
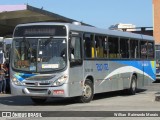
(89, 46)
(105, 47)
(124, 48)
(150, 50)
(134, 49)
(143, 46)
(99, 47)
(113, 47)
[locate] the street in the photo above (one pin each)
(144, 100)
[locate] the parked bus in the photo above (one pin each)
(157, 47)
(68, 60)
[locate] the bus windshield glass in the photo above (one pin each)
(39, 54)
(157, 54)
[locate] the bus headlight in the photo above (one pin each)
(15, 81)
(60, 81)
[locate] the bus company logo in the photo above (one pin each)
(6, 114)
(102, 67)
(36, 83)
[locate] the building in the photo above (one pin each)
(156, 20)
(12, 15)
(123, 27)
(132, 28)
(144, 30)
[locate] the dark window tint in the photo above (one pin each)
(134, 49)
(124, 48)
(89, 46)
(101, 46)
(113, 47)
(157, 47)
(150, 50)
(143, 48)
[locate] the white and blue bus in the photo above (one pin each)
(68, 60)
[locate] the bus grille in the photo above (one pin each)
(40, 78)
(39, 84)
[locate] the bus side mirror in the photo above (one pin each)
(5, 50)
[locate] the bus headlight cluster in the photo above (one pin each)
(15, 81)
(60, 81)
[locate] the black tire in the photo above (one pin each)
(133, 86)
(38, 100)
(88, 92)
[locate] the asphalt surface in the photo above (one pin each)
(144, 100)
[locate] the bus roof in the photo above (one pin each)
(90, 29)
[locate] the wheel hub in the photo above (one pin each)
(87, 91)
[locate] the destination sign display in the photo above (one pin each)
(40, 30)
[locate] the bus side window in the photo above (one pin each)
(89, 46)
(150, 50)
(124, 48)
(134, 49)
(143, 45)
(113, 47)
(98, 45)
(101, 45)
(105, 47)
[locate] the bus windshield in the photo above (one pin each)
(39, 54)
(157, 54)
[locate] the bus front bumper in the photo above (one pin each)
(60, 91)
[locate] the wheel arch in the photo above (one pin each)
(91, 78)
(135, 74)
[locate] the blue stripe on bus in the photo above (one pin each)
(149, 66)
(22, 76)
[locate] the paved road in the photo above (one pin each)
(144, 100)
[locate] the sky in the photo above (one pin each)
(99, 13)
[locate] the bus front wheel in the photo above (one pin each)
(87, 94)
(133, 86)
(38, 100)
